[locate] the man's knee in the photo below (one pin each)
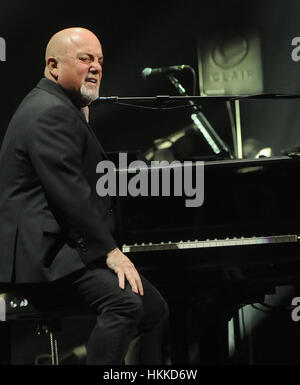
(130, 305)
(162, 310)
(158, 312)
(135, 304)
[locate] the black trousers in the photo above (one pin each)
(122, 316)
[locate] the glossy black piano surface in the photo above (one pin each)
(242, 198)
(254, 198)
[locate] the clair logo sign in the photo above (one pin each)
(2, 49)
(2, 309)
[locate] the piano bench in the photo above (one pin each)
(14, 307)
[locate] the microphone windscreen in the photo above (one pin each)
(146, 72)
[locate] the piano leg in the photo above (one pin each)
(178, 332)
(197, 336)
(209, 347)
(213, 346)
(240, 346)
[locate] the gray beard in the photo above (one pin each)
(88, 95)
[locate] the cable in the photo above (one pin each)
(153, 108)
(42, 356)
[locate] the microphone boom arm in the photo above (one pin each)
(210, 135)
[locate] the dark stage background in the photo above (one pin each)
(138, 34)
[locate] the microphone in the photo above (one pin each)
(163, 70)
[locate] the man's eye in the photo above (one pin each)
(84, 59)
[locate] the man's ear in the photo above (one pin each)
(52, 65)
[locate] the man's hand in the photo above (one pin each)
(123, 267)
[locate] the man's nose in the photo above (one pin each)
(96, 68)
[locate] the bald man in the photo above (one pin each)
(56, 234)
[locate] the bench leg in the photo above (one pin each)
(5, 343)
(53, 347)
(50, 327)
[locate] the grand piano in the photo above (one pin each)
(208, 261)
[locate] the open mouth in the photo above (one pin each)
(91, 81)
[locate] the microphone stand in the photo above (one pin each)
(213, 139)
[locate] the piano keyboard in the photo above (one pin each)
(182, 245)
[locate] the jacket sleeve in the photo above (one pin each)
(55, 143)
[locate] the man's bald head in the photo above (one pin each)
(74, 60)
(64, 40)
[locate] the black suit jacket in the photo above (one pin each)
(52, 222)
